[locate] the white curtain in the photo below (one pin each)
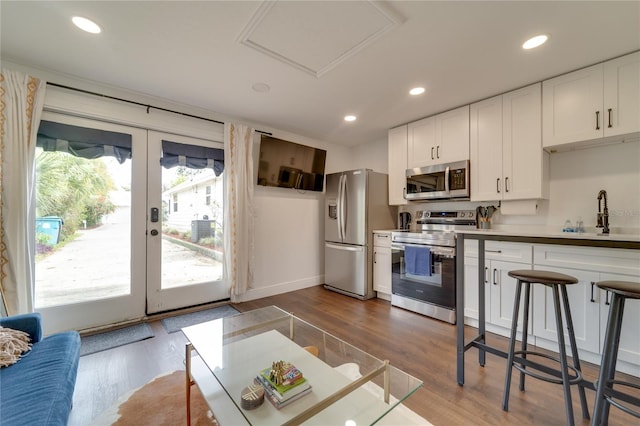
(238, 209)
(21, 103)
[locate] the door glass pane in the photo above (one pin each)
(192, 211)
(83, 228)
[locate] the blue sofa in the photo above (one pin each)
(38, 389)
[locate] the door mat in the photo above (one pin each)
(173, 324)
(113, 339)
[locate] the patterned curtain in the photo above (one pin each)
(238, 209)
(21, 103)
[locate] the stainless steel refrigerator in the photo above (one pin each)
(357, 203)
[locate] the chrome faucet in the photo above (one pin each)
(603, 217)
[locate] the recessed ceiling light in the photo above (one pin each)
(535, 41)
(350, 118)
(86, 25)
(416, 91)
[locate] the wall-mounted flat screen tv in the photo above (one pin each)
(287, 164)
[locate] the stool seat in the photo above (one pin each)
(627, 289)
(542, 277)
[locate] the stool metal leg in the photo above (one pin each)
(525, 328)
(609, 357)
(512, 347)
(563, 356)
(574, 351)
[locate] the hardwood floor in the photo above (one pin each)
(423, 347)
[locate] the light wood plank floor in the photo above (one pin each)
(421, 346)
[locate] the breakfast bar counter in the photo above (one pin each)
(524, 235)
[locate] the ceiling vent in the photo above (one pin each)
(316, 36)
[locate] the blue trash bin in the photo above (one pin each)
(49, 226)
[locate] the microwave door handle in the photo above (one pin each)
(446, 180)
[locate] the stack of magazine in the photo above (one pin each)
(293, 387)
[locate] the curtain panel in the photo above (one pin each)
(238, 209)
(21, 104)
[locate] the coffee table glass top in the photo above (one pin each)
(348, 384)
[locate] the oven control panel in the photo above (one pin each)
(453, 217)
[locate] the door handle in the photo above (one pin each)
(592, 300)
(495, 280)
(498, 185)
(597, 120)
(447, 172)
(343, 247)
(506, 184)
(438, 151)
(486, 279)
(610, 125)
(154, 232)
(432, 154)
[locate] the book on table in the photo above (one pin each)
(291, 386)
(275, 399)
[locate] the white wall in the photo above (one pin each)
(372, 156)
(289, 229)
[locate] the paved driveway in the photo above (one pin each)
(97, 265)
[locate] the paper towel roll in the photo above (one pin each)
(519, 207)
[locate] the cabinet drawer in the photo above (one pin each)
(498, 250)
(619, 261)
(382, 239)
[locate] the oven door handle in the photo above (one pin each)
(447, 252)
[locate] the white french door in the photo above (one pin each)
(90, 274)
(184, 222)
(154, 245)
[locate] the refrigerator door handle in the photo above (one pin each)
(343, 247)
(339, 208)
(344, 207)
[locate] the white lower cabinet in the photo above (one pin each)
(584, 312)
(500, 258)
(588, 304)
(589, 309)
(382, 264)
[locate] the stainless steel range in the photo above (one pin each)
(423, 263)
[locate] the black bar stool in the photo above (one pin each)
(605, 394)
(567, 375)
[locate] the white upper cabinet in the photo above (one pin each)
(397, 146)
(600, 101)
(622, 95)
(439, 139)
(507, 160)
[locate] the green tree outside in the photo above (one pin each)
(73, 188)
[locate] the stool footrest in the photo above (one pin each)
(551, 375)
(610, 394)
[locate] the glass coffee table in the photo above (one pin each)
(349, 386)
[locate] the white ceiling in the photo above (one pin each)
(322, 60)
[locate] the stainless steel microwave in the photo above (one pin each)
(438, 182)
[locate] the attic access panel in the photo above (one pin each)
(316, 36)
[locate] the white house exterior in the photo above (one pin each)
(198, 198)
